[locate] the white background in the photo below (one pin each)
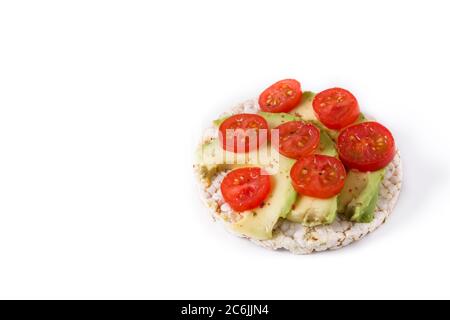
(103, 102)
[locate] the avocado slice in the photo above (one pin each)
(258, 223)
(359, 197)
(276, 119)
(305, 110)
(311, 211)
(326, 145)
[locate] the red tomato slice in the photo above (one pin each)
(245, 188)
(282, 96)
(336, 108)
(297, 139)
(318, 176)
(366, 146)
(243, 132)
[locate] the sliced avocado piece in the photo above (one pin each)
(305, 110)
(326, 145)
(311, 211)
(276, 119)
(273, 119)
(358, 199)
(258, 223)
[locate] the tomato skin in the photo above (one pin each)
(367, 146)
(318, 176)
(297, 139)
(336, 108)
(282, 96)
(245, 188)
(245, 126)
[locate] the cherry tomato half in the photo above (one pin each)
(318, 176)
(282, 96)
(243, 132)
(297, 139)
(245, 188)
(336, 108)
(366, 146)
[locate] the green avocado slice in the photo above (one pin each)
(305, 110)
(357, 201)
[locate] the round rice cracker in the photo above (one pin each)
(295, 237)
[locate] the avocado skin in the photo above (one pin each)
(362, 214)
(362, 205)
(312, 212)
(326, 145)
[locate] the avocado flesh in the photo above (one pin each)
(326, 145)
(368, 214)
(358, 199)
(305, 110)
(311, 211)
